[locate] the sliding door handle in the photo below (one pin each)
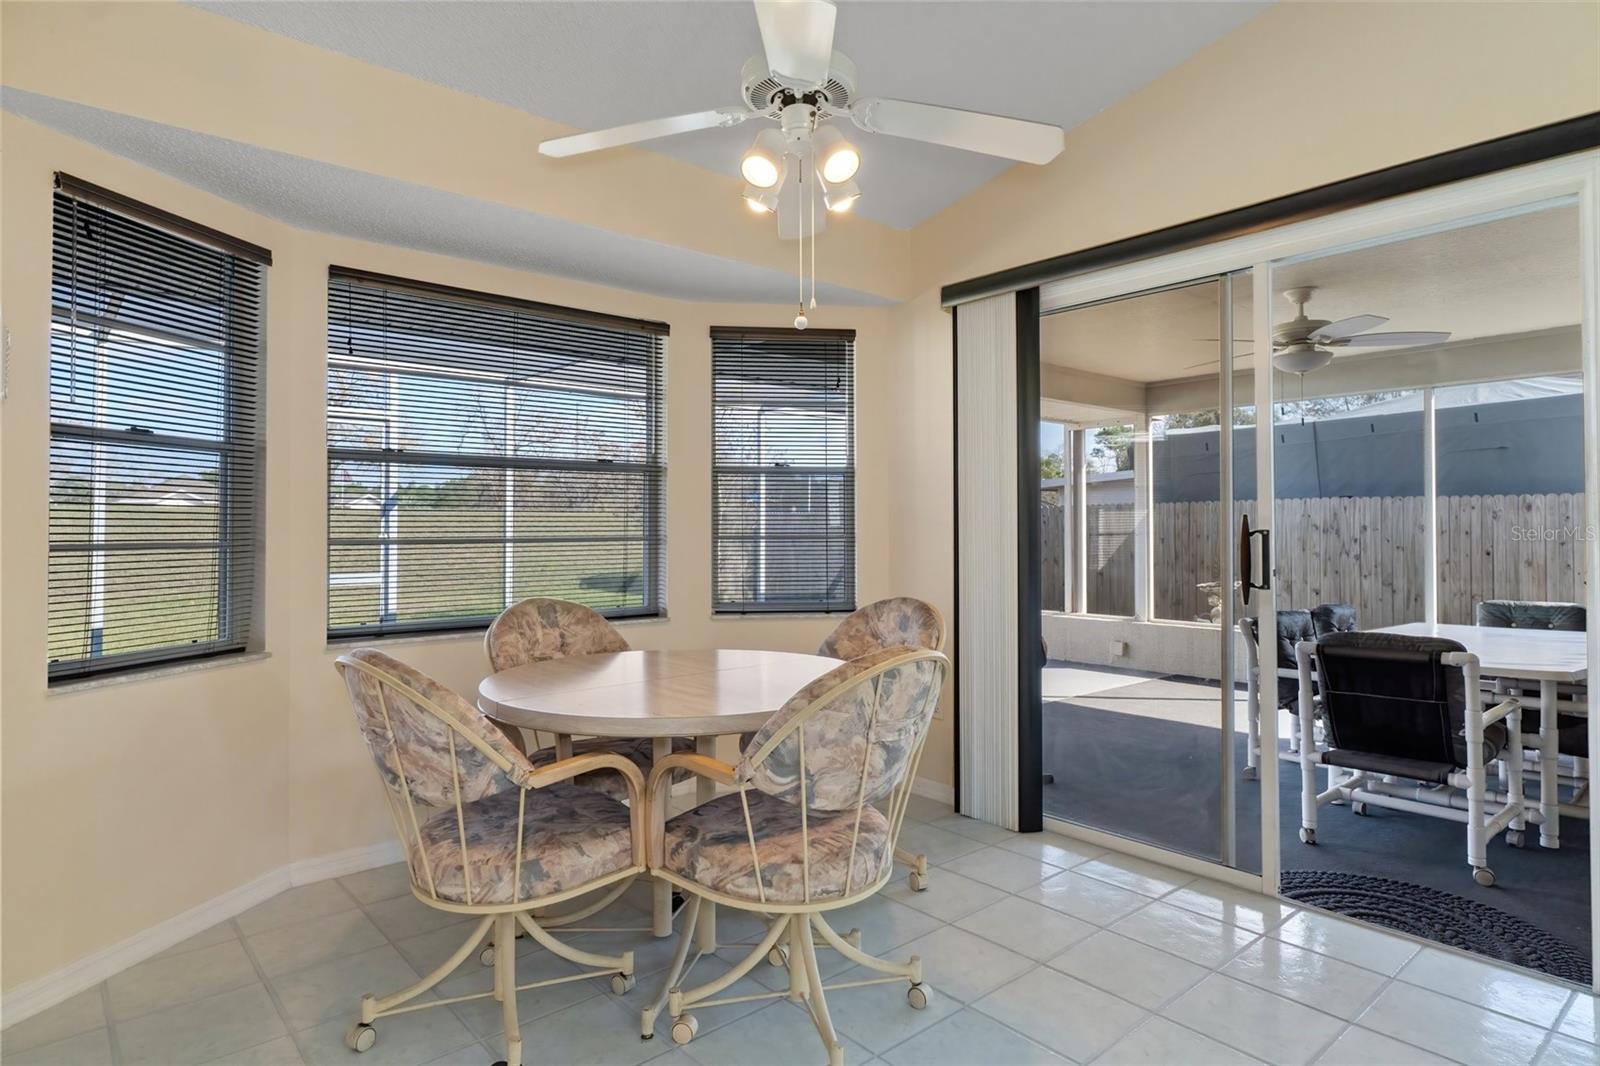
(1247, 577)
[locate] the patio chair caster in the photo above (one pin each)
(1359, 809)
(1514, 838)
(621, 984)
(917, 996)
(1483, 875)
(1308, 836)
(778, 956)
(917, 882)
(1251, 773)
(684, 1029)
(360, 1037)
(486, 956)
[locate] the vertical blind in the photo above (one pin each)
(783, 500)
(155, 355)
(482, 450)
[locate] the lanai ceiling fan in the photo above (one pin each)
(800, 83)
(1304, 344)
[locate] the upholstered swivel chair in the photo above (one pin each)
(488, 834)
(538, 630)
(1395, 706)
(900, 621)
(820, 795)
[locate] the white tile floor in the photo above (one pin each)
(1038, 949)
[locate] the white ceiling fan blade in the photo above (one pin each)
(1216, 362)
(974, 131)
(1345, 327)
(1392, 340)
(798, 38)
(634, 132)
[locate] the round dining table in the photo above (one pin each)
(657, 694)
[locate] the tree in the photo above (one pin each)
(1051, 465)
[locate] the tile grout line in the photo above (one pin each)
(111, 1028)
(272, 993)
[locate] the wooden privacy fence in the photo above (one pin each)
(1366, 551)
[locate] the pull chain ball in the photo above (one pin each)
(800, 321)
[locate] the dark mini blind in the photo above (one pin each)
(482, 450)
(155, 356)
(783, 502)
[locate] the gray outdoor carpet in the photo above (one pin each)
(1157, 781)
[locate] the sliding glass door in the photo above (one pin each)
(1149, 412)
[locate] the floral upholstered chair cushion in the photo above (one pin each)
(900, 621)
(880, 721)
(418, 752)
(710, 846)
(538, 630)
(636, 750)
(571, 836)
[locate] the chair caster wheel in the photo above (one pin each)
(1483, 875)
(1251, 773)
(917, 996)
(684, 1028)
(621, 984)
(1514, 837)
(1358, 808)
(1308, 836)
(360, 1037)
(778, 956)
(486, 956)
(917, 882)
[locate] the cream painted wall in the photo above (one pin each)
(1219, 132)
(126, 804)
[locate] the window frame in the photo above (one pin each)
(237, 447)
(849, 600)
(390, 459)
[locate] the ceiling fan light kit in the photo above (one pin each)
(800, 83)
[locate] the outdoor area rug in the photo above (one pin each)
(1442, 917)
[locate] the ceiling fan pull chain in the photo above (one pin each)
(813, 199)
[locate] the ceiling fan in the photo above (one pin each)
(1303, 344)
(800, 83)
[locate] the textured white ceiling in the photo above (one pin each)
(594, 64)
(331, 199)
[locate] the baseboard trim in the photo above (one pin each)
(342, 863)
(933, 790)
(42, 993)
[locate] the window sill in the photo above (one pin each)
(155, 673)
(396, 640)
(752, 616)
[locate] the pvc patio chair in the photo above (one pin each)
(1395, 706)
(820, 796)
(488, 834)
(899, 621)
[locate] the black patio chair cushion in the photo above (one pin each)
(1333, 618)
(1532, 614)
(1294, 626)
(1390, 705)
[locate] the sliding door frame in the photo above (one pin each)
(1572, 178)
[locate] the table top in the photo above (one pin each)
(650, 693)
(1527, 654)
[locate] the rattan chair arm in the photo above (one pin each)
(661, 777)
